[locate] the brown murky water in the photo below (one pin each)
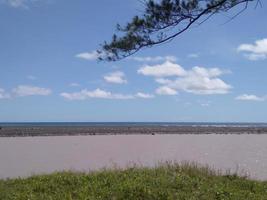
(35, 155)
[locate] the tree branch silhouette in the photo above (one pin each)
(161, 22)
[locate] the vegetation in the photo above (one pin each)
(162, 21)
(168, 181)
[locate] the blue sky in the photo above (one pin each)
(214, 72)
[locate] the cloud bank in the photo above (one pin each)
(88, 55)
(3, 94)
(19, 3)
(102, 94)
(162, 70)
(153, 59)
(97, 93)
(28, 90)
(256, 51)
(144, 95)
(250, 97)
(165, 90)
(174, 78)
(117, 77)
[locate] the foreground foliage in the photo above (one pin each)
(162, 21)
(168, 181)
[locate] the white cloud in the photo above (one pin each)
(256, 51)
(250, 97)
(30, 77)
(18, 3)
(201, 81)
(27, 90)
(74, 85)
(193, 55)
(163, 80)
(204, 103)
(201, 71)
(3, 94)
(255, 57)
(97, 93)
(115, 77)
(162, 70)
(198, 80)
(15, 3)
(165, 90)
(94, 55)
(154, 59)
(144, 95)
(102, 94)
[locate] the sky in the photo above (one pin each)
(215, 72)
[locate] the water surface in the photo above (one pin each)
(131, 124)
(34, 155)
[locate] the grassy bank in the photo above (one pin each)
(168, 181)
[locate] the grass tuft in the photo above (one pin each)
(165, 181)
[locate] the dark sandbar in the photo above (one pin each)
(17, 131)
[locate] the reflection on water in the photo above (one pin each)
(34, 155)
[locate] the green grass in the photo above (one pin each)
(167, 181)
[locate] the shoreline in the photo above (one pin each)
(23, 131)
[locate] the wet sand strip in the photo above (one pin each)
(9, 131)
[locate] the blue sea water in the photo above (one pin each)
(78, 124)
